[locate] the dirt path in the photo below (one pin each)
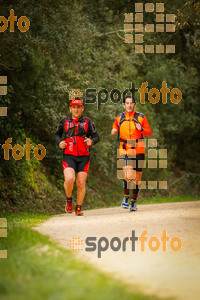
(164, 274)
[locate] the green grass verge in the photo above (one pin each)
(37, 268)
(154, 200)
(157, 200)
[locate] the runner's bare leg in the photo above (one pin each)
(130, 174)
(138, 177)
(80, 183)
(69, 175)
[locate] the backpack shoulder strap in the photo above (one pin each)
(82, 118)
(138, 114)
(122, 118)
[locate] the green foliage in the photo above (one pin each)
(81, 45)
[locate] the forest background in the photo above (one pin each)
(80, 45)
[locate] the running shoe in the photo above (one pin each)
(133, 206)
(125, 202)
(78, 210)
(69, 206)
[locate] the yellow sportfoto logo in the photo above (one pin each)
(23, 22)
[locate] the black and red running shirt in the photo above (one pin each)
(74, 132)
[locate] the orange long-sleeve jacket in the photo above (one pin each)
(131, 139)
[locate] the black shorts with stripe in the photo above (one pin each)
(78, 163)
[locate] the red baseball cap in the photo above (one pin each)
(76, 102)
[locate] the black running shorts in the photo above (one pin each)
(78, 163)
(137, 162)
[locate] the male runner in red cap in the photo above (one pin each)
(77, 130)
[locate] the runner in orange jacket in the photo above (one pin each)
(132, 127)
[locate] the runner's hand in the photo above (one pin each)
(127, 179)
(113, 131)
(62, 144)
(138, 126)
(88, 141)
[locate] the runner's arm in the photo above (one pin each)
(93, 133)
(115, 126)
(59, 132)
(146, 130)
